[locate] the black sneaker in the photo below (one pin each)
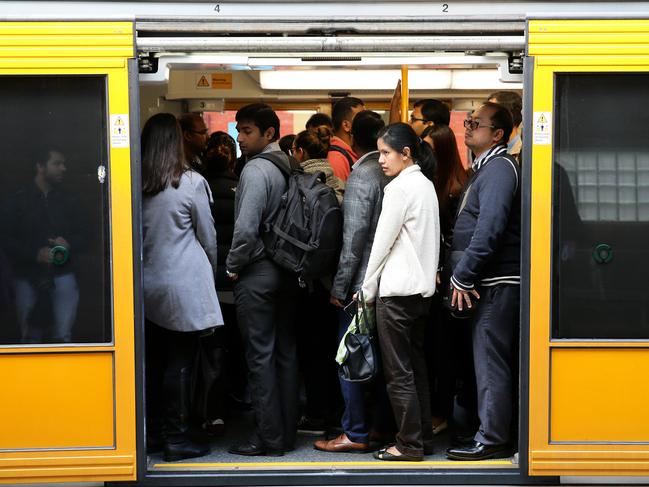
(313, 427)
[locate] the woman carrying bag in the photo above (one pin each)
(401, 279)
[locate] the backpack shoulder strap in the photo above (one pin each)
(344, 152)
(280, 160)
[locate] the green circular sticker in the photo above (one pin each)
(59, 255)
(603, 254)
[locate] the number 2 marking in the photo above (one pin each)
(445, 7)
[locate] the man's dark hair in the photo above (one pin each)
(512, 101)
(260, 114)
(186, 121)
(41, 154)
(434, 111)
(318, 120)
(365, 129)
(501, 118)
(342, 110)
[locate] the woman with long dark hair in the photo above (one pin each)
(401, 276)
(451, 175)
(180, 302)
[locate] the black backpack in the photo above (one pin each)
(305, 235)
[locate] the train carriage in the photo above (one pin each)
(86, 75)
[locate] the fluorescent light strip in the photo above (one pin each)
(365, 79)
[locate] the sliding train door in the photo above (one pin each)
(589, 250)
(67, 408)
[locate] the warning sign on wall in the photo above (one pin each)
(202, 81)
(119, 137)
(542, 130)
(221, 81)
(213, 81)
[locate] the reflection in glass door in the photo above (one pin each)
(601, 206)
(54, 212)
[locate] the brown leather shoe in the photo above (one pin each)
(341, 444)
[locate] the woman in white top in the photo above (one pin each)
(401, 278)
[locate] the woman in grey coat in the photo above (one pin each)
(180, 302)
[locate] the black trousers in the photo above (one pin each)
(400, 323)
(317, 342)
(495, 328)
(170, 356)
(439, 352)
(265, 296)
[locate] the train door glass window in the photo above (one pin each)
(601, 206)
(54, 244)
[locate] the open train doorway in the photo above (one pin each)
(297, 86)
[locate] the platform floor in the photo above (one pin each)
(305, 457)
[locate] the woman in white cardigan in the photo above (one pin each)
(401, 278)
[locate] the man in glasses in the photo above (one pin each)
(195, 134)
(425, 113)
(487, 276)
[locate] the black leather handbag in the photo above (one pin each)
(361, 363)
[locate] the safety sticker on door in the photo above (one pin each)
(542, 133)
(119, 131)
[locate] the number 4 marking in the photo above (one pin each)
(217, 7)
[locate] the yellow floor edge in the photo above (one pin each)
(375, 464)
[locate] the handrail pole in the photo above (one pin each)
(404, 94)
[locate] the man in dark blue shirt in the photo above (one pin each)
(487, 233)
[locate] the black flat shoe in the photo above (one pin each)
(478, 451)
(183, 450)
(384, 454)
(253, 450)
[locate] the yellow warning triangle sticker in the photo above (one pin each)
(542, 119)
(203, 83)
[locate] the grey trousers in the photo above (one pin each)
(494, 331)
(265, 296)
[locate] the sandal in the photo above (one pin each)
(384, 454)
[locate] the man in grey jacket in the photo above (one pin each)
(361, 210)
(264, 293)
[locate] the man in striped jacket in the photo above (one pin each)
(487, 231)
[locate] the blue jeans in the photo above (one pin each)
(64, 296)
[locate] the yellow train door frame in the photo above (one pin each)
(68, 411)
(588, 399)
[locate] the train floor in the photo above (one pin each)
(305, 457)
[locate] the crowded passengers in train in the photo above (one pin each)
(427, 251)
